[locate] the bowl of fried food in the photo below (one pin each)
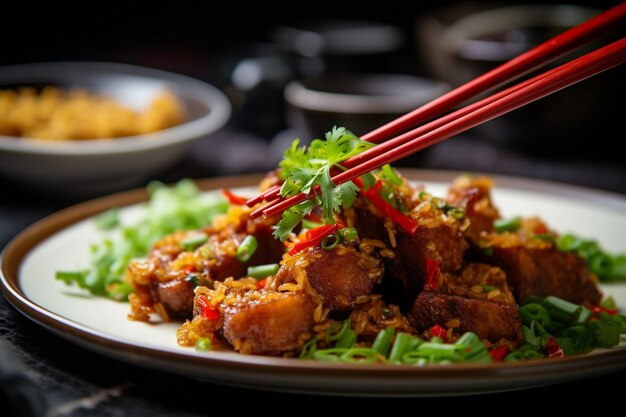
(94, 127)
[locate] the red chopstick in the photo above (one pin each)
(532, 59)
(477, 113)
(540, 55)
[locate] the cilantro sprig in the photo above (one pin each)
(303, 168)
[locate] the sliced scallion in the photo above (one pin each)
(246, 250)
(507, 225)
(331, 241)
(262, 271)
(349, 233)
(382, 343)
(192, 242)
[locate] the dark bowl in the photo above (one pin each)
(358, 102)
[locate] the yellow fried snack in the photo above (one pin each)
(78, 114)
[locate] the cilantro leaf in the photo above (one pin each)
(290, 219)
(303, 168)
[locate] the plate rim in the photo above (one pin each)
(397, 379)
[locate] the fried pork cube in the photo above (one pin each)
(164, 282)
(489, 320)
(537, 268)
(439, 237)
(477, 299)
(473, 194)
(338, 276)
(251, 319)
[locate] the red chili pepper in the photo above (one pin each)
(540, 229)
(498, 354)
(439, 331)
(263, 283)
(313, 237)
(599, 309)
(233, 198)
(206, 309)
(432, 273)
(404, 221)
(553, 349)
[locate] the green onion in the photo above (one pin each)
(329, 355)
(473, 348)
(423, 195)
(580, 337)
(192, 242)
(340, 328)
(606, 331)
(193, 279)
(309, 349)
(390, 175)
(359, 355)
(120, 291)
(609, 302)
(543, 236)
(262, 271)
(204, 343)
(456, 212)
(487, 288)
(347, 339)
(404, 343)
(387, 314)
(382, 343)
(561, 305)
(507, 225)
(69, 276)
(108, 220)
(349, 234)
(310, 224)
(331, 241)
(246, 250)
(437, 202)
(535, 312)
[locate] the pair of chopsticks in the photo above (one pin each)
(392, 149)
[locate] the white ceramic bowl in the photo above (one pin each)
(102, 165)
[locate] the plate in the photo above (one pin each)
(62, 240)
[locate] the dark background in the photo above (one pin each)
(196, 39)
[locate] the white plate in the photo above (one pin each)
(61, 242)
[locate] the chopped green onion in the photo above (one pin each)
(456, 212)
(192, 242)
(347, 340)
(69, 276)
(108, 220)
(437, 202)
(262, 271)
(535, 312)
(609, 302)
(382, 343)
(193, 279)
(606, 331)
(390, 175)
(310, 224)
(423, 195)
(349, 234)
(341, 328)
(329, 355)
(474, 349)
(331, 241)
(404, 343)
(204, 343)
(487, 288)
(543, 236)
(561, 305)
(246, 250)
(359, 355)
(580, 337)
(309, 349)
(507, 225)
(387, 314)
